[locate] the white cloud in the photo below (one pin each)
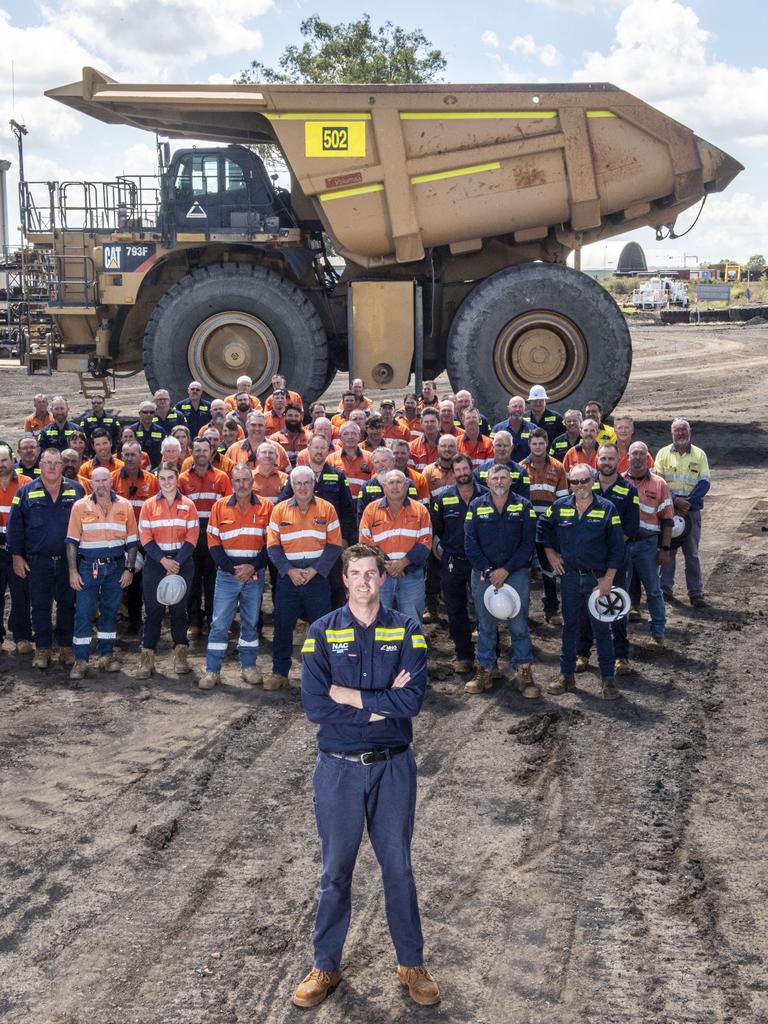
(526, 46)
(578, 6)
(490, 39)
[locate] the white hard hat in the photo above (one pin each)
(171, 589)
(608, 609)
(503, 603)
(678, 526)
(681, 527)
(537, 392)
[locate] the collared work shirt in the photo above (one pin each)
(407, 534)
(269, 487)
(100, 534)
(518, 475)
(356, 468)
(687, 473)
(423, 452)
(237, 537)
(548, 482)
(37, 525)
(592, 542)
(655, 498)
(331, 484)
(304, 540)
(448, 512)
(7, 495)
(520, 437)
(57, 437)
(205, 491)
(438, 478)
(87, 468)
(241, 451)
(479, 451)
(135, 491)
(624, 497)
(551, 421)
(500, 540)
(164, 527)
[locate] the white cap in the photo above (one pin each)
(537, 392)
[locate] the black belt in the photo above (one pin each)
(367, 756)
(53, 558)
(104, 561)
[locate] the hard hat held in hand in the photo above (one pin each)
(609, 609)
(681, 527)
(503, 603)
(171, 589)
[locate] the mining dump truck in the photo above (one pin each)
(453, 208)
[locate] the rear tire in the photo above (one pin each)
(221, 322)
(539, 323)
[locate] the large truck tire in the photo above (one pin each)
(539, 323)
(225, 321)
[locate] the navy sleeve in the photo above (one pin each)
(436, 515)
(472, 548)
(15, 529)
(522, 557)
(185, 551)
(615, 540)
(696, 497)
(277, 557)
(632, 515)
(221, 558)
(347, 511)
(546, 530)
(406, 701)
(315, 683)
(324, 564)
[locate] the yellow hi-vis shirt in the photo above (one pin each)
(682, 470)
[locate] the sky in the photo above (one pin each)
(704, 64)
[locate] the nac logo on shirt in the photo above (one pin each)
(339, 648)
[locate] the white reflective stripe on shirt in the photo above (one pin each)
(89, 545)
(150, 524)
(386, 534)
(300, 534)
(105, 524)
(204, 494)
(294, 556)
(245, 531)
(242, 552)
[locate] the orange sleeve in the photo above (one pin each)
(213, 525)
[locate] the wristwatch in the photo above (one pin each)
(666, 547)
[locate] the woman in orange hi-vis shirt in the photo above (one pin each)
(168, 532)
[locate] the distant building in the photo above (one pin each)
(632, 261)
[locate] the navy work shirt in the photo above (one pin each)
(366, 658)
(592, 543)
(194, 417)
(551, 421)
(624, 497)
(151, 440)
(54, 436)
(448, 511)
(37, 525)
(500, 540)
(520, 438)
(521, 483)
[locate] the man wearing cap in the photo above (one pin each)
(363, 680)
(584, 544)
(499, 540)
(517, 427)
(686, 469)
(392, 429)
(540, 416)
(102, 542)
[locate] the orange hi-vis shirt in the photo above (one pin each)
(548, 482)
(479, 451)
(576, 455)
(6, 497)
(339, 420)
(291, 440)
(358, 468)
(438, 478)
(231, 402)
(241, 452)
(363, 403)
(401, 535)
(656, 505)
(205, 491)
(99, 534)
(202, 430)
(33, 423)
(423, 453)
(169, 524)
(269, 487)
(304, 540)
(242, 534)
(419, 482)
(397, 432)
(135, 491)
(273, 423)
(414, 427)
(623, 467)
(302, 459)
(294, 398)
(219, 461)
(114, 465)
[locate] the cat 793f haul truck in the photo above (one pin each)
(454, 208)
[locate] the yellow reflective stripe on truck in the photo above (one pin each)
(421, 178)
(326, 197)
(360, 116)
(477, 115)
(600, 113)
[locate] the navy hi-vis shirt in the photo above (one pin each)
(520, 438)
(37, 525)
(551, 421)
(500, 540)
(339, 650)
(624, 497)
(57, 437)
(448, 512)
(151, 440)
(592, 543)
(521, 483)
(194, 418)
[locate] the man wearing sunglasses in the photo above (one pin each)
(584, 542)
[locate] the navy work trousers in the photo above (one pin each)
(618, 628)
(310, 601)
(19, 620)
(575, 589)
(48, 582)
(349, 796)
(154, 612)
(455, 580)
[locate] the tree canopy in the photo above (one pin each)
(353, 52)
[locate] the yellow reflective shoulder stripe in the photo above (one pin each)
(339, 634)
(389, 634)
(483, 509)
(514, 508)
(596, 513)
(418, 641)
(308, 647)
(615, 520)
(451, 500)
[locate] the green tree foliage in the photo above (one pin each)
(755, 264)
(353, 52)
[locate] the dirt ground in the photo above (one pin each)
(576, 861)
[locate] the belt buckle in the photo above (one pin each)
(372, 754)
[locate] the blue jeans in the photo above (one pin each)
(48, 582)
(574, 592)
(642, 560)
(487, 624)
(407, 591)
(312, 601)
(101, 593)
(229, 590)
(348, 797)
(618, 628)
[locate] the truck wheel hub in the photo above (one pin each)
(540, 347)
(231, 344)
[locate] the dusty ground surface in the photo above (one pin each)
(576, 861)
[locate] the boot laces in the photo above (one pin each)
(317, 975)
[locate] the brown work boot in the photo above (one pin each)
(66, 656)
(251, 675)
(109, 663)
(146, 664)
(315, 987)
(483, 680)
(42, 659)
(608, 689)
(622, 667)
(79, 670)
(180, 661)
(657, 643)
(525, 683)
(462, 665)
(24, 647)
(697, 600)
(209, 680)
(421, 986)
(582, 663)
(635, 615)
(276, 682)
(561, 685)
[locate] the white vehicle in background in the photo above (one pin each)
(660, 292)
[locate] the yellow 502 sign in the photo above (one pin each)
(334, 138)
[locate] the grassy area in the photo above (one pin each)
(621, 289)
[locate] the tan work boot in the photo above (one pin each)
(209, 680)
(582, 663)
(657, 643)
(561, 685)
(421, 986)
(79, 670)
(66, 656)
(483, 680)
(109, 663)
(622, 667)
(461, 665)
(252, 676)
(608, 689)
(525, 683)
(146, 664)
(315, 987)
(42, 659)
(180, 662)
(276, 682)
(25, 647)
